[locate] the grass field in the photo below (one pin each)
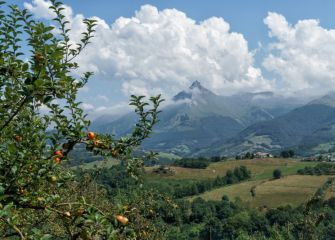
(291, 189)
(294, 190)
(260, 168)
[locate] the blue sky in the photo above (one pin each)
(265, 69)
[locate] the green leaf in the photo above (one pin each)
(14, 169)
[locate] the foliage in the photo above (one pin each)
(232, 220)
(319, 169)
(180, 189)
(200, 162)
(277, 174)
(179, 219)
(287, 154)
(247, 155)
(41, 122)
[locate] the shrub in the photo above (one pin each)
(277, 174)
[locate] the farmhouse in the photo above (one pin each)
(263, 155)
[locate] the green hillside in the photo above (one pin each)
(294, 190)
(286, 131)
(291, 189)
(260, 168)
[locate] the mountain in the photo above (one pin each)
(307, 129)
(197, 118)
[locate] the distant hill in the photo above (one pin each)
(197, 118)
(306, 129)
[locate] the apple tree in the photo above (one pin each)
(41, 122)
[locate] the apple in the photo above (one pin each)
(57, 160)
(59, 153)
(40, 199)
(39, 57)
(122, 219)
(18, 138)
(90, 135)
(53, 179)
(67, 214)
(96, 143)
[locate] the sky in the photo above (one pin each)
(230, 46)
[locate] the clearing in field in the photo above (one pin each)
(294, 190)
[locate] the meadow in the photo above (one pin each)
(290, 189)
(293, 190)
(260, 168)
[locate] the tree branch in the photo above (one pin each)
(17, 230)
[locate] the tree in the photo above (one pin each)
(291, 153)
(35, 186)
(276, 174)
(253, 191)
(284, 154)
(247, 155)
(287, 154)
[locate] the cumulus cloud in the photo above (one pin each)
(165, 51)
(115, 110)
(87, 106)
(303, 54)
(41, 9)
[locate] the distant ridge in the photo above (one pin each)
(308, 129)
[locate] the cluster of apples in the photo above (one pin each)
(91, 136)
(58, 156)
(59, 153)
(97, 143)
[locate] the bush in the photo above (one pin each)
(277, 174)
(287, 154)
(201, 163)
(320, 169)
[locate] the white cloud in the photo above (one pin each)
(41, 9)
(87, 106)
(303, 54)
(115, 110)
(103, 98)
(84, 89)
(165, 51)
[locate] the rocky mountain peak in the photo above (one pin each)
(196, 84)
(195, 88)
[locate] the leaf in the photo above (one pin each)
(14, 169)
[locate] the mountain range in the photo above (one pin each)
(308, 129)
(200, 122)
